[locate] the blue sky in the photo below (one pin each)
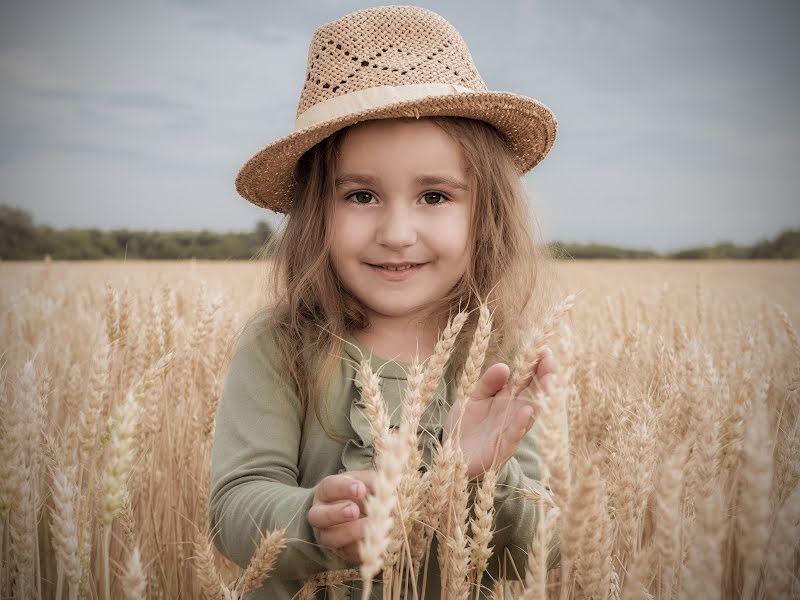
(678, 121)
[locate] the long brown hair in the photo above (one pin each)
(311, 310)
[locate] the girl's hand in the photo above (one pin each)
(338, 511)
(482, 424)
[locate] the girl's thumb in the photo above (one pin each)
(491, 382)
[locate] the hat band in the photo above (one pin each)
(375, 97)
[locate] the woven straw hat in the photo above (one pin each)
(385, 62)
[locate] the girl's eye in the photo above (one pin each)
(442, 196)
(355, 196)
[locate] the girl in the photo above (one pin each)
(402, 184)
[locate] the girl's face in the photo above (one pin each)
(402, 197)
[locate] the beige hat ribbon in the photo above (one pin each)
(375, 97)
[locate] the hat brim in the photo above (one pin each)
(528, 126)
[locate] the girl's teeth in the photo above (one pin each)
(398, 268)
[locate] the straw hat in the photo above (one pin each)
(385, 62)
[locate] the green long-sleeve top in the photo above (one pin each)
(267, 460)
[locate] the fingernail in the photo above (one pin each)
(354, 489)
(349, 511)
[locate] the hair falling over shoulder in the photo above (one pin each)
(313, 313)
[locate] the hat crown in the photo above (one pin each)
(386, 45)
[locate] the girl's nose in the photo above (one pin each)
(397, 228)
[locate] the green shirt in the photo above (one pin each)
(266, 460)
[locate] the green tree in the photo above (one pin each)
(16, 232)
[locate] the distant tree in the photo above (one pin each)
(723, 250)
(263, 232)
(16, 232)
(206, 238)
(588, 251)
(122, 238)
(786, 245)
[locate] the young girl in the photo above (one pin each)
(402, 184)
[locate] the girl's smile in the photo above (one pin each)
(397, 273)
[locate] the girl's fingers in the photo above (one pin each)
(340, 487)
(350, 553)
(325, 515)
(491, 382)
(547, 363)
(547, 382)
(523, 419)
(545, 373)
(343, 534)
(514, 419)
(508, 447)
(366, 476)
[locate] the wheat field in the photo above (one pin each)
(679, 478)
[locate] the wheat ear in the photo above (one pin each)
(211, 584)
(481, 525)
(374, 407)
(263, 560)
(64, 527)
(441, 354)
(536, 570)
(702, 575)
(115, 476)
(781, 574)
(525, 360)
(324, 579)
(579, 508)
(134, 580)
(753, 519)
(666, 537)
(390, 465)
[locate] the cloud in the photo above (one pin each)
(179, 94)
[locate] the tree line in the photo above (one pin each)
(22, 239)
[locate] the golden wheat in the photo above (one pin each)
(682, 392)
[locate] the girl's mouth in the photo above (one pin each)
(395, 274)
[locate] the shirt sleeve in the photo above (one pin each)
(254, 473)
(516, 517)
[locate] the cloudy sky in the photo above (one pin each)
(678, 121)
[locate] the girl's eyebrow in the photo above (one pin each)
(420, 180)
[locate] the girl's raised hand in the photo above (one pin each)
(483, 422)
(338, 511)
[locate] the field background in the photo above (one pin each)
(64, 392)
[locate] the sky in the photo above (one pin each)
(679, 122)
